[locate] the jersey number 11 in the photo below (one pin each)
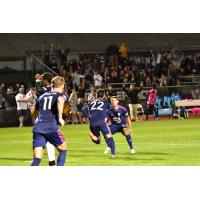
(47, 102)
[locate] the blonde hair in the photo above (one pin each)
(57, 81)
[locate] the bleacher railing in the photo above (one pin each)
(185, 91)
(39, 67)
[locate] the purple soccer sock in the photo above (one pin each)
(129, 140)
(36, 162)
(111, 144)
(62, 158)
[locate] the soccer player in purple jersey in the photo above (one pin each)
(122, 123)
(97, 115)
(50, 106)
(43, 84)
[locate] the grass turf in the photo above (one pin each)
(157, 143)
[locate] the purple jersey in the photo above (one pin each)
(122, 114)
(47, 120)
(97, 110)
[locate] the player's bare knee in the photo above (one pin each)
(109, 135)
(38, 152)
(62, 147)
(125, 131)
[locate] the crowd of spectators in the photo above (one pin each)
(119, 65)
(87, 72)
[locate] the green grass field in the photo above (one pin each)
(158, 143)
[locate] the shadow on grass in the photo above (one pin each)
(129, 158)
(16, 159)
(149, 153)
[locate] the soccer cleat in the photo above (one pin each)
(107, 150)
(133, 151)
(113, 156)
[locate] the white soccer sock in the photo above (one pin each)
(50, 151)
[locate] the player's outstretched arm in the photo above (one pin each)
(85, 110)
(60, 106)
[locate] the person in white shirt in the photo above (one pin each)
(77, 79)
(97, 80)
(92, 95)
(31, 96)
(22, 103)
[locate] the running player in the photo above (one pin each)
(97, 115)
(43, 84)
(50, 106)
(121, 124)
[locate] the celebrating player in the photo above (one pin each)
(43, 84)
(50, 106)
(122, 123)
(97, 115)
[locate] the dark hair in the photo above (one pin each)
(47, 76)
(100, 93)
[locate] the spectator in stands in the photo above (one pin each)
(197, 65)
(54, 65)
(96, 65)
(76, 77)
(151, 101)
(52, 48)
(106, 75)
(2, 96)
(92, 95)
(69, 82)
(114, 77)
(113, 51)
(47, 58)
(171, 81)
(155, 81)
(148, 81)
(21, 106)
(89, 75)
(110, 92)
(81, 91)
(97, 80)
(163, 80)
(81, 67)
(31, 96)
(133, 100)
(10, 96)
(187, 65)
(195, 93)
(63, 56)
(16, 89)
(75, 115)
(123, 51)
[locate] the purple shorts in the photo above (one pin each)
(40, 139)
(104, 128)
(117, 128)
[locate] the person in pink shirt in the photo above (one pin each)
(151, 101)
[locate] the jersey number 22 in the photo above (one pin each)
(97, 105)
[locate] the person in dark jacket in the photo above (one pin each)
(110, 92)
(132, 94)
